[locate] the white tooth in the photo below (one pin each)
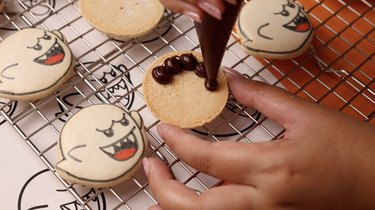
(118, 144)
(111, 90)
(125, 140)
(293, 24)
(110, 150)
(44, 57)
(106, 95)
(131, 138)
(122, 84)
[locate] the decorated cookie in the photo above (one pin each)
(101, 146)
(33, 63)
(122, 19)
(277, 29)
(174, 90)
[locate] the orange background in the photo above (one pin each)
(343, 39)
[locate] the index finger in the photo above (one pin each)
(186, 8)
(277, 104)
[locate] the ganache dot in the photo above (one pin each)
(211, 85)
(188, 61)
(200, 70)
(173, 64)
(162, 75)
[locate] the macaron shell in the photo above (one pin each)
(185, 102)
(34, 63)
(274, 28)
(122, 19)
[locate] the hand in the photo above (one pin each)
(324, 161)
(195, 9)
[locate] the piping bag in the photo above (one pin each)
(213, 36)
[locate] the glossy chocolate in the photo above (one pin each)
(200, 70)
(211, 85)
(188, 61)
(162, 75)
(173, 64)
(213, 35)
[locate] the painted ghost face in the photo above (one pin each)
(101, 143)
(278, 27)
(117, 85)
(33, 60)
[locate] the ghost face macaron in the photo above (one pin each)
(101, 146)
(33, 63)
(277, 29)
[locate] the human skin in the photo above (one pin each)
(325, 159)
(196, 9)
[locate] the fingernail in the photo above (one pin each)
(194, 16)
(210, 9)
(231, 73)
(159, 129)
(155, 207)
(146, 165)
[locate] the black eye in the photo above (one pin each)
(113, 73)
(37, 47)
(46, 37)
(291, 5)
(124, 121)
(109, 132)
(104, 80)
(284, 13)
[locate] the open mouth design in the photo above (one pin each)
(119, 86)
(299, 24)
(53, 56)
(124, 148)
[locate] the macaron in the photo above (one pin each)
(276, 29)
(179, 96)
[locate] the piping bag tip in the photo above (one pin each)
(213, 36)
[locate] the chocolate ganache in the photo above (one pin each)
(213, 35)
(164, 74)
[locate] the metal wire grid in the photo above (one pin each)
(336, 49)
(101, 63)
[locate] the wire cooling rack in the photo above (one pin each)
(338, 71)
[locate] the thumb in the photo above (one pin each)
(169, 192)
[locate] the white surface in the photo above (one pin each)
(41, 128)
